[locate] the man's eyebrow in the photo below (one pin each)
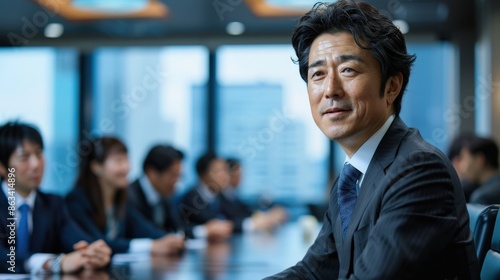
(347, 57)
(316, 63)
(340, 58)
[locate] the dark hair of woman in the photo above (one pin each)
(98, 151)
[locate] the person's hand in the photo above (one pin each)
(278, 214)
(170, 244)
(263, 221)
(218, 230)
(97, 254)
(72, 262)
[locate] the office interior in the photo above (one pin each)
(218, 75)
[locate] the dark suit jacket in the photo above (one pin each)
(53, 230)
(235, 210)
(410, 220)
(131, 225)
(194, 210)
(137, 199)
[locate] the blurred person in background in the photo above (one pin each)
(257, 220)
(455, 155)
(47, 240)
(152, 193)
(479, 165)
(201, 205)
(98, 203)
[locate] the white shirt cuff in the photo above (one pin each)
(140, 245)
(35, 263)
(248, 225)
(200, 232)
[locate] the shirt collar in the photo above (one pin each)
(206, 193)
(152, 196)
(363, 156)
(30, 199)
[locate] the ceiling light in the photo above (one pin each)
(402, 25)
(111, 6)
(53, 30)
(235, 28)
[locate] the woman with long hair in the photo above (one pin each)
(98, 203)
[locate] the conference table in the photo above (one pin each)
(245, 256)
(251, 255)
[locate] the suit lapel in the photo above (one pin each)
(383, 157)
(41, 216)
(140, 197)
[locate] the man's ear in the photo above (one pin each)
(393, 88)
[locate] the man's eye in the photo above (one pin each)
(348, 70)
(317, 74)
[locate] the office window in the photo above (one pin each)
(264, 120)
(40, 87)
(149, 96)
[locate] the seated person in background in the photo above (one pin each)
(455, 156)
(98, 203)
(479, 163)
(240, 211)
(151, 194)
(47, 239)
(201, 205)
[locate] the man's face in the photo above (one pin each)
(217, 176)
(343, 83)
(29, 163)
(165, 181)
(235, 176)
(469, 166)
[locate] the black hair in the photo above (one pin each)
(371, 30)
(203, 163)
(100, 150)
(458, 143)
(232, 164)
(487, 147)
(161, 157)
(12, 135)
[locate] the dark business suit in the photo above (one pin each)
(487, 193)
(53, 230)
(131, 225)
(235, 210)
(196, 211)
(137, 199)
(410, 220)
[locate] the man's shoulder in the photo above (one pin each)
(189, 193)
(48, 201)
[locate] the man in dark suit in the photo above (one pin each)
(151, 195)
(397, 210)
(238, 210)
(35, 228)
(200, 208)
(478, 162)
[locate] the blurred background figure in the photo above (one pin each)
(455, 155)
(152, 194)
(201, 204)
(259, 220)
(98, 203)
(478, 164)
(46, 238)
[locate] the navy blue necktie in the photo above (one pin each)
(23, 234)
(347, 194)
